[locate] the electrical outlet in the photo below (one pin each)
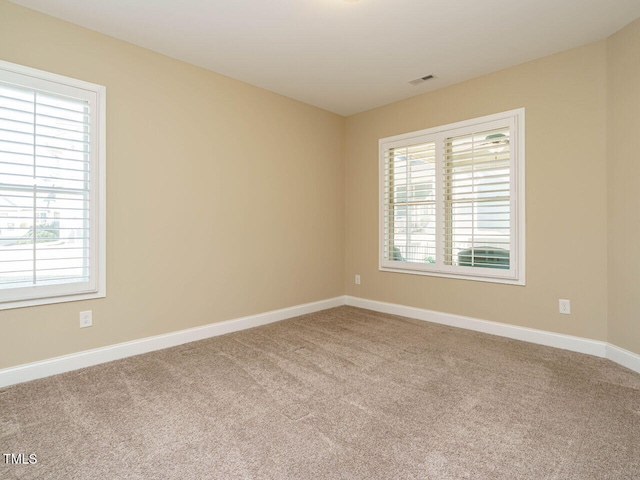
(564, 306)
(357, 279)
(86, 319)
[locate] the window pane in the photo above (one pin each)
(62, 250)
(44, 188)
(410, 204)
(477, 192)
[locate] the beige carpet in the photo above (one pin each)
(341, 394)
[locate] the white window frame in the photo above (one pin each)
(40, 80)
(515, 275)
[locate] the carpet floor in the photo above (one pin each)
(344, 393)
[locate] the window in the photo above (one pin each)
(52, 188)
(452, 200)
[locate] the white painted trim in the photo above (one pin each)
(597, 348)
(87, 358)
(74, 361)
(623, 357)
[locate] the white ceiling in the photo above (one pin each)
(349, 57)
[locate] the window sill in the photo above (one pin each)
(477, 278)
(51, 300)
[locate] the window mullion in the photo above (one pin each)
(440, 211)
(514, 200)
(35, 193)
(407, 216)
(474, 203)
(89, 250)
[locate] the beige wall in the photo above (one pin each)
(623, 54)
(566, 242)
(223, 199)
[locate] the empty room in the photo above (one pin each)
(319, 239)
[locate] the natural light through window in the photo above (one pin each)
(51, 188)
(452, 200)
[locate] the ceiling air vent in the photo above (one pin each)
(420, 80)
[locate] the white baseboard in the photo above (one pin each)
(74, 361)
(618, 355)
(623, 357)
(87, 358)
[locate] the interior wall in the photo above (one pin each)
(623, 184)
(223, 199)
(564, 96)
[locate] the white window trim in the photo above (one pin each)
(56, 293)
(517, 277)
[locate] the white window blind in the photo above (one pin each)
(477, 193)
(51, 187)
(452, 200)
(410, 206)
